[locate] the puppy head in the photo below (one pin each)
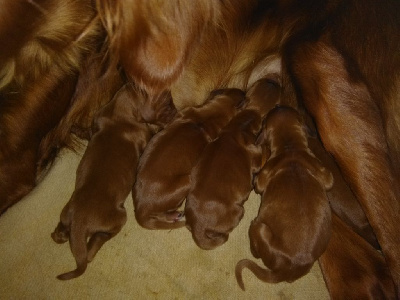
(263, 95)
(232, 96)
(154, 109)
(283, 128)
(158, 109)
(210, 226)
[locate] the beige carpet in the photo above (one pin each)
(136, 264)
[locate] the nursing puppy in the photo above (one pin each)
(104, 179)
(163, 176)
(352, 268)
(263, 95)
(341, 198)
(293, 225)
(222, 179)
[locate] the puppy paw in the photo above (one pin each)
(60, 234)
(175, 216)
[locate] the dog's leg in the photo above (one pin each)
(352, 268)
(25, 118)
(351, 128)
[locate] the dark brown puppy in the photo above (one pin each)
(223, 178)
(263, 95)
(352, 268)
(222, 181)
(104, 179)
(163, 177)
(341, 198)
(293, 225)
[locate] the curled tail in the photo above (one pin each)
(78, 246)
(261, 273)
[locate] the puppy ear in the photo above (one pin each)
(257, 155)
(262, 137)
(260, 182)
(266, 153)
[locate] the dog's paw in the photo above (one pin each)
(175, 216)
(60, 234)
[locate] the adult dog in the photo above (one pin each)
(339, 58)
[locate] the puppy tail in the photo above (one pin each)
(238, 272)
(262, 274)
(78, 246)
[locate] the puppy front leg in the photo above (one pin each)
(351, 128)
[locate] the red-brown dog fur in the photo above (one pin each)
(349, 84)
(44, 45)
(352, 268)
(104, 178)
(341, 198)
(342, 78)
(293, 225)
(163, 176)
(222, 179)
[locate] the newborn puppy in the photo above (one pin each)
(222, 179)
(104, 179)
(341, 198)
(293, 225)
(163, 177)
(263, 95)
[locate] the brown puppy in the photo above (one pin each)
(263, 95)
(163, 177)
(293, 225)
(223, 178)
(222, 181)
(352, 268)
(105, 177)
(341, 198)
